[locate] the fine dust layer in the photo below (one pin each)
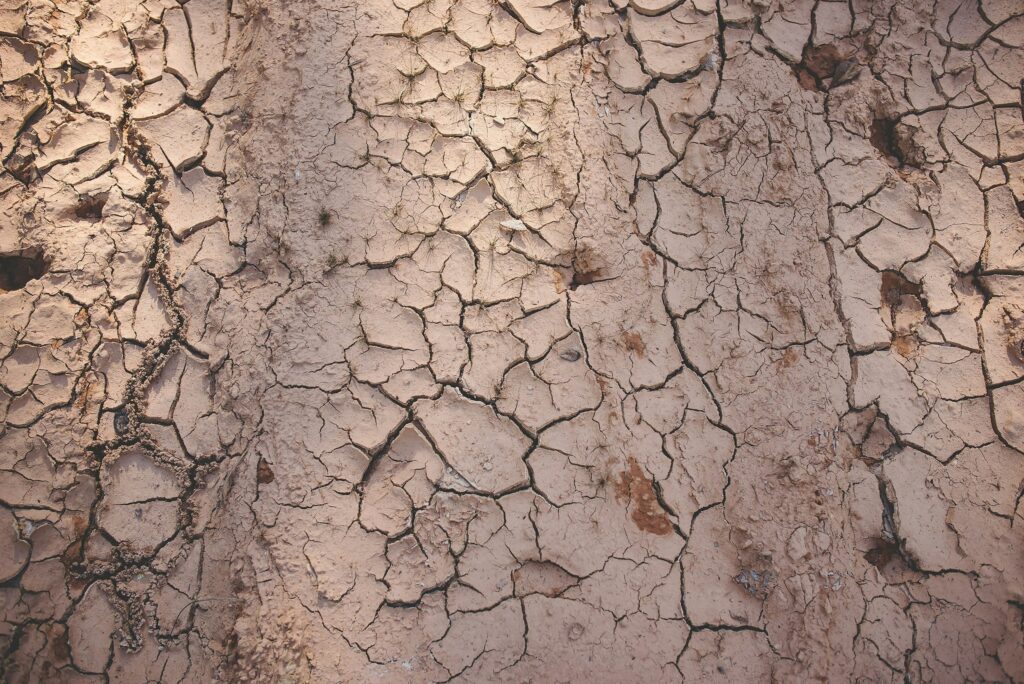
(511, 340)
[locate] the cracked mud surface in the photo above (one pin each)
(512, 340)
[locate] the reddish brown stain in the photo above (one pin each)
(636, 490)
(79, 526)
(905, 345)
(805, 79)
(789, 358)
(634, 343)
(82, 399)
(559, 281)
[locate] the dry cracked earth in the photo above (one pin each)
(511, 340)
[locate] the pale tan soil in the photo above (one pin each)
(512, 340)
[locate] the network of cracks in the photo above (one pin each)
(511, 340)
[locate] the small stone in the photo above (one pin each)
(121, 421)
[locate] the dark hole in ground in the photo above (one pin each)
(819, 62)
(895, 287)
(584, 269)
(264, 473)
(883, 553)
(898, 295)
(324, 217)
(91, 207)
(584, 277)
(18, 268)
(883, 132)
(21, 165)
(894, 140)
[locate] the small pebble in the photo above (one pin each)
(121, 422)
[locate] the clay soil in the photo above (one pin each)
(511, 341)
